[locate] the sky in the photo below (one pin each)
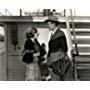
(81, 7)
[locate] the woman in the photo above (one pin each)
(32, 53)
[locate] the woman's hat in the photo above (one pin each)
(52, 19)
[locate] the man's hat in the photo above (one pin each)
(52, 19)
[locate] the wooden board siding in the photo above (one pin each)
(83, 61)
(2, 67)
(16, 68)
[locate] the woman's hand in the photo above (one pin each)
(36, 54)
(27, 51)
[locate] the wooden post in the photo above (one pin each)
(20, 12)
(73, 28)
(69, 39)
(6, 49)
(77, 53)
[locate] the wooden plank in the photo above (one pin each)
(9, 18)
(81, 33)
(84, 49)
(81, 30)
(82, 41)
(80, 17)
(83, 71)
(82, 59)
(81, 25)
(2, 67)
(78, 25)
(16, 19)
(16, 69)
(16, 77)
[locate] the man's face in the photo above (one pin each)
(36, 35)
(51, 26)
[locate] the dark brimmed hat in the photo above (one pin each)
(52, 19)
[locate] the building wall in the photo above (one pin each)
(16, 69)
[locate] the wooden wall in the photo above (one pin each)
(16, 68)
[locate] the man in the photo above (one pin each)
(57, 59)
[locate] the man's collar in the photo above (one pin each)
(53, 32)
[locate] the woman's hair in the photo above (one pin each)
(30, 32)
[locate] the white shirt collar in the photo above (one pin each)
(53, 32)
(32, 39)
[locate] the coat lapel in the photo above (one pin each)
(57, 34)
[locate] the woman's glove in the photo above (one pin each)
(36, 54)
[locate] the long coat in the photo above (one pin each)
(58, 61)
(57, 46)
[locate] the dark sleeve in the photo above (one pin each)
(27, 45)
(42, 51)
(63, 43)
